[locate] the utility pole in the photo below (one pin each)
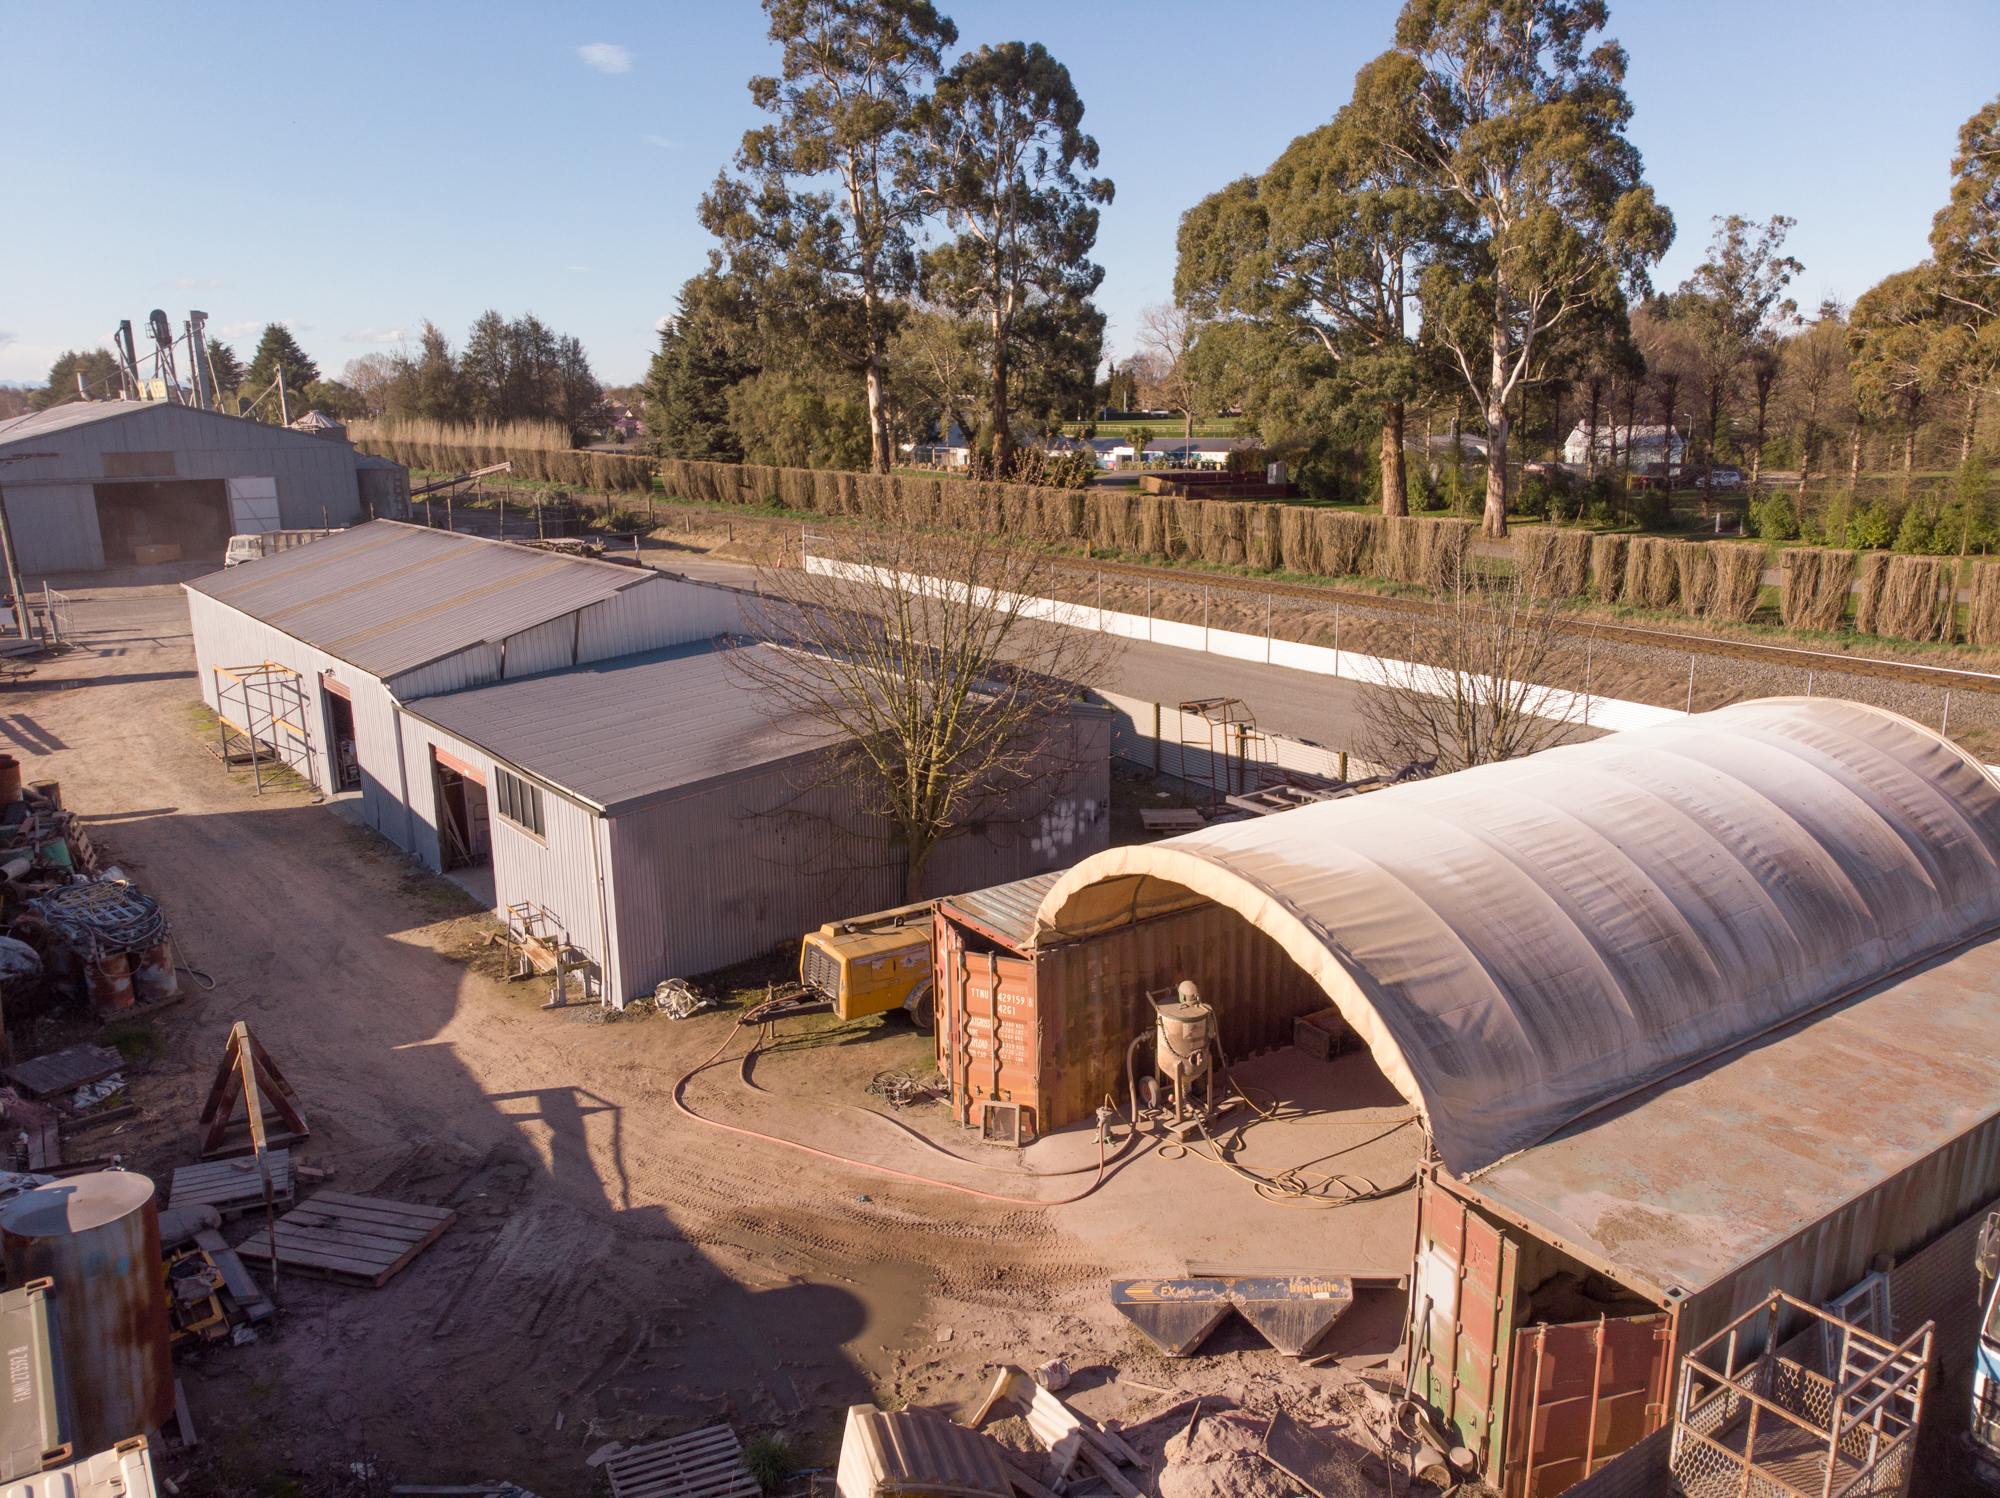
(284, 407)
(13, 570)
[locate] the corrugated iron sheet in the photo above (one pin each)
(1090, 995)
(1789, 1163)
(916, 1452)
(1006, 912)
(390, 597)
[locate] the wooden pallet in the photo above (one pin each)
(358, 1240)
(705, 1464)
(232, 1187)
(65, 1070)
(1172, 819)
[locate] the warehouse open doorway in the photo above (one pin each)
(163, 521)
(465, 833)
(344, 761)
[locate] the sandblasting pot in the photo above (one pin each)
(1184, 1031)
(98, 1237)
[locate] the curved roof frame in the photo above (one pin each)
(1520, 943)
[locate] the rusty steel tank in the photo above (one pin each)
(98, 1237)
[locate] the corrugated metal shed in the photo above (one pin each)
(621, 732)
(389, 597)
(63, 465)
(1520, 942)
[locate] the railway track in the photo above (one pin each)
(1948, 678)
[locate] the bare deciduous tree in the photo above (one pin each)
(1477, 685)
(1167, 336)
(921, 649)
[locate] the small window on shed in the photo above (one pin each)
(519, 802)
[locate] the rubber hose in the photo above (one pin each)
(1132, 1077)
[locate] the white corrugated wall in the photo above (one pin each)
(559, 871)
(667, 611)
(654, 615)
(55, 527)
(225, 637)
(730, 869)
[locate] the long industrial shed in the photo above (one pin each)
(1703, 1010)
(570, 722)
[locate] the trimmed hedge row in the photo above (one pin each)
(1900, 595)
(1269, 537)
(607, 472)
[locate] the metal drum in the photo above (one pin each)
(98, 1237)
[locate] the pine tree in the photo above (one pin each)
(687, 390)
(276, 350)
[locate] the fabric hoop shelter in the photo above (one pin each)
(1522, 942)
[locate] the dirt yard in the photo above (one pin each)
(617, 1271)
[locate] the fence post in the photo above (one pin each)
(1690, 683)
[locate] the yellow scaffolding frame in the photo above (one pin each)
(271, 704)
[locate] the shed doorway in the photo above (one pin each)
(345, 760)
(465, 833)
(192, 514)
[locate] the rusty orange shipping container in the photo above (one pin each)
(1047, 1027)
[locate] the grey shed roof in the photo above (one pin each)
(389, 597)
(73, 414)
(624, 731)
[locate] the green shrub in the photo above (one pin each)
(1773, 519)
(768, 1458)
(1874, 526)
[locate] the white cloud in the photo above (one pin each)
(589, 268)
(606, 57)
(5, 339)
(664, 323)
(374, 335)
(235, 329)
(662, 142)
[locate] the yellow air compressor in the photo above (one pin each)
(872, 964)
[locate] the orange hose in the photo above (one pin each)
(901, 1175)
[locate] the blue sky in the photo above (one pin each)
(356, 169)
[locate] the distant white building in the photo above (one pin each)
(1638, 444)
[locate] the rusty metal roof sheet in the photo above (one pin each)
(389, 597)
(1006, 912)
(1521, 941)
(1711, 1169)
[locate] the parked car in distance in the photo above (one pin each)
(1726, 478)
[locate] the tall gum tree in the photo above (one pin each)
(1521, 131)
(1001, 143)
(842, 100)
(1965, 244)
(1327, 248)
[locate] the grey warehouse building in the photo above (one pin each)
(89, 483)
(572, 722)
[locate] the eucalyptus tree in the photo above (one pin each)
(1520, 131)
(1000, 153)
(1891, 333)
(1733, 306)
(1326, 250)
(820, 215)
(1965, 244)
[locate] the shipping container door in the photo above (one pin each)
(1461, 1316)
(999, 1040)
(1583, 1392)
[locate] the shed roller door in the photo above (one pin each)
(253, 506)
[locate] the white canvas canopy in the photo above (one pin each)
(1523, 942)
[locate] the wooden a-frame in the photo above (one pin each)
(248, 1075)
